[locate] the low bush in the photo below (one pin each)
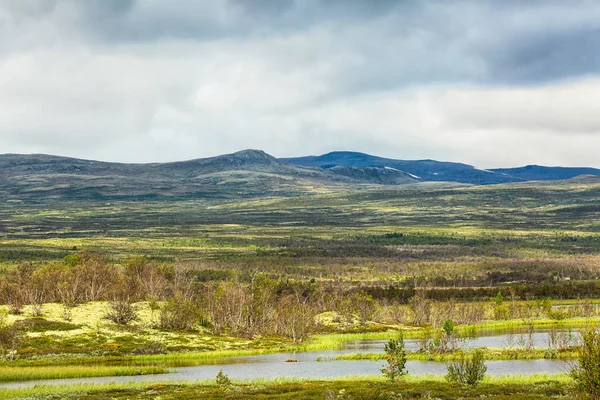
(178, 314)
(222, 379)
(121, 312)
(587, 372)
(469, 370)
(10, 337)
(150, 348)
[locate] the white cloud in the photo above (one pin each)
(554, 124)
(136, 82)
(568, 108)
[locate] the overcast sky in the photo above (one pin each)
(490, 83)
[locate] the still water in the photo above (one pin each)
(273, 366)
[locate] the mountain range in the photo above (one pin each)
(248, 173)
(431, 170)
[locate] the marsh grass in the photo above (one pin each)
(17, 374)
(538, 386)
(501, 326)
(490, 354)
(336, 341)
(197, 358)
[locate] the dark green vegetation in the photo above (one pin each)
(339, 390)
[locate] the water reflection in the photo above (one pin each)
(272, 366)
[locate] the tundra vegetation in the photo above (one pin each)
(113, 282)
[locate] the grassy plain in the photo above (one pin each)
(448, 239)
(375, 237)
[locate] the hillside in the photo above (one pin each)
(423, 170)
(247, 173)
(540, 173)
(431, 170)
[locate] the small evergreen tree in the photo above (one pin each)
(395, 356)
(499, 299)
(449, 339)
(448, 327)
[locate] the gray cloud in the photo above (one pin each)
(549, 56)
(150, 80)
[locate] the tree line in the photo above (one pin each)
(250, 303)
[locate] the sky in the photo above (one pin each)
(485, 82)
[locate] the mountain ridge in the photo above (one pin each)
(245, 173)
(539, 172)
(433, 170)
(426, 170)
(248, 173)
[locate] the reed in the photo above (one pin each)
(18, 374)
(490, 354)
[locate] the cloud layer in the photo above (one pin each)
(484, 82)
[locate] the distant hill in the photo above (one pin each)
(539, 173)
(431, 170)
(384, 176)
(423, 170)
(247, 173)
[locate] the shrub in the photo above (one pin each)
(545, 304)
(448, 340)
(178, 314)
(364, 307)
(558, 314)
(121, 312)
(587, 373)
(340, 395)
(499, 299)
(293, 318)
(501, 312)
(10, 337)
(395, 356)
(448, 327)
(420, 307)
(222, 379)
(154, 347)
(468, 370)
